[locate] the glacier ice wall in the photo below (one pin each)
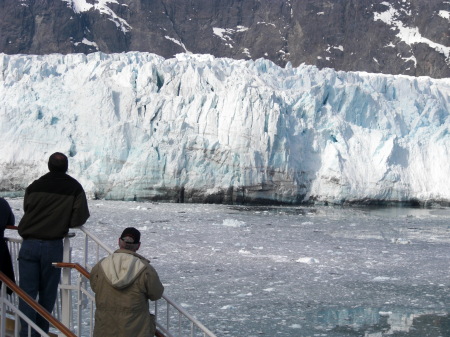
(201, 129)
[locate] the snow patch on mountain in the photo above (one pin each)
(409, 35)
(226, 34)
(181, 44)
(80, 6)
(444, 14)
(87, 42)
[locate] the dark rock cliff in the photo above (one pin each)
(391, 36)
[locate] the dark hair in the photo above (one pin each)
(58, 162)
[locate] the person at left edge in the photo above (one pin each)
(6, 219)
(53, 203)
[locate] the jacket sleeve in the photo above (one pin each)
(11, 218)
(6, 214)
(154, 287)
(80, 212)
(25, 200)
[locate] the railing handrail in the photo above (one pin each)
(77, 266)
(35, 305)
(96, 239)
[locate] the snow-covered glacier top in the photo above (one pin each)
(197, 128)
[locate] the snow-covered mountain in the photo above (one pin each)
(203, 129)
(408, 37)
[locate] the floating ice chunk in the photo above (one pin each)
(143, 228)
(307, 260)
(269, 289)
(401, 241)
(295, 326)
(140, 208)
(384, 278)
(385, 313)
(233, 223)
(274, 258)
(278, 258)
(227, 307)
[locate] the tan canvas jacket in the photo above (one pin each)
(123, 283)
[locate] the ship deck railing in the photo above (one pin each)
(75, 307)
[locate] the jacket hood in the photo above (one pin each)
(122, 268)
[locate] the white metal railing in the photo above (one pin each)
(76, 302)
(9, 307)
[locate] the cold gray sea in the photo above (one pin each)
(248, 271)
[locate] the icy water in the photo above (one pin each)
(295, 271)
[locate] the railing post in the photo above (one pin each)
(3, 313)
(86, 250)
(66, 298)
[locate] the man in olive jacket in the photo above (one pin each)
(53, 203)
(123, 283)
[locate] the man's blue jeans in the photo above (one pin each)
(37, 276)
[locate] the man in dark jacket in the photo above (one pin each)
(123, 283)
(52, 204)
(6, 219)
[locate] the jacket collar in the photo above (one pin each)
(126, 251)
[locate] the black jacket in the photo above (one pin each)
(53, 204)
(6, 219)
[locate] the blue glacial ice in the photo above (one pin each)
(197, 128)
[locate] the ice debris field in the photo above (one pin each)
(293, 271)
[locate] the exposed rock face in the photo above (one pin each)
(391, 36)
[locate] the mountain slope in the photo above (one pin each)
(395, 37)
